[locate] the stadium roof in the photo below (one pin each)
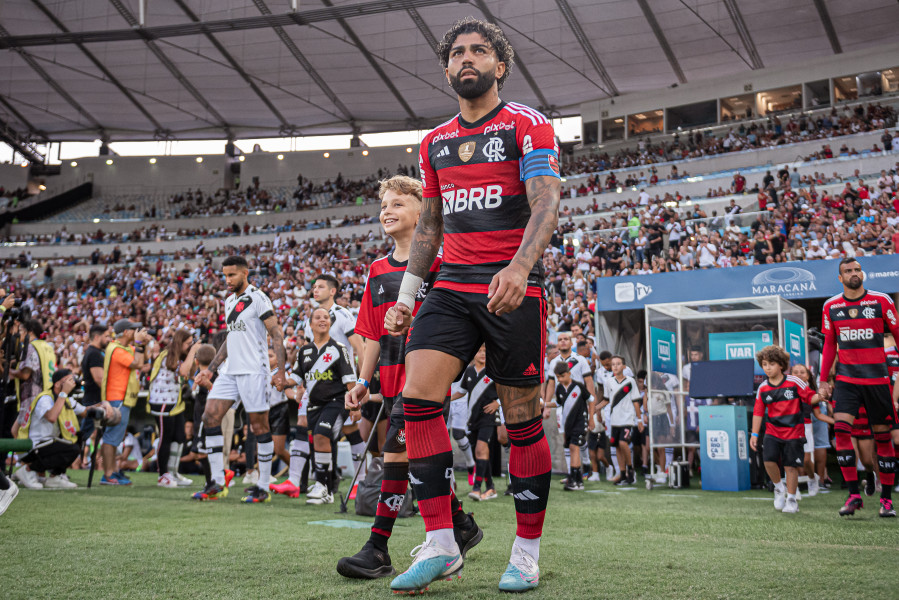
(200, 69)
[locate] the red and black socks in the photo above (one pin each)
(430, 461)
(530, 466)
(393, 492)
(886, 462)
(846, 455)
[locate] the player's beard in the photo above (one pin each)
(854, 283)
(471, 89)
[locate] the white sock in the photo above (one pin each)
(567, 453)
(264, 452)
(791, 496)
(217, 467)
(216, 458)
(444, 537)
(174, 458)
(780, 487)
(532, 547)
(299, 454)
(465, 447)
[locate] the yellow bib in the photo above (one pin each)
(47, 358)
(66, 423)
(178, 408)
(133, 384)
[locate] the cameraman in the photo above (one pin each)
(50, 422)
(92, 371)
(121, 365)
(33, 375)
(10, 353)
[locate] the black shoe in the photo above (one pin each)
(256, 495)
(368, 563)
(870, 485)
(508, 491)
(853, 503)
(468, 538)
(573, 487)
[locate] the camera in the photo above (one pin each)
(17, 313)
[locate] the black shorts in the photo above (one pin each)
(327, 419)
(278, 419)
(484, 434)
(621, 434)
(791, 451)
(597, 441)
(848, 397)
(691, 436)
(576, 432)
(370, 412)
(638, 438)
(395, 442)
(457, 323)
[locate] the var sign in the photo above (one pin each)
(737, 351)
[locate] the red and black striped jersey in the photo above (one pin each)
(783, 405)
(381, 291)
(853, 334)
(893, 366)
(478, 170)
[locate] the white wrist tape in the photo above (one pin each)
(409, 289)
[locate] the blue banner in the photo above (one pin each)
(664, 350)
(800, 279)
(794, 339)
(739, 344)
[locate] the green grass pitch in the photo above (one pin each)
(146, 542)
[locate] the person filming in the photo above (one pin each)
(51, 423)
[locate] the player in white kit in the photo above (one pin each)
(244, 377)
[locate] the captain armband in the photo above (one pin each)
(540, 162)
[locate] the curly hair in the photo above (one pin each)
(492, 33)
(774, 354)
(400, 184)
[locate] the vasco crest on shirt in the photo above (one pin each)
(466, 151)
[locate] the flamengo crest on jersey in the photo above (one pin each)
(247, 336)
(854, 332)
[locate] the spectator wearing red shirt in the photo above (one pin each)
(780, 398)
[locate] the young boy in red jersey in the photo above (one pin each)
(400, 210)
(780, 398)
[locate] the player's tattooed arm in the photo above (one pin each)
(220, 357)
(543, 198)
(277, 335)
(508, 287)
(427, 238)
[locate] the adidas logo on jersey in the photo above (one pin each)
(381, 289)
(841, 314)
(444, 152)
(526, 495)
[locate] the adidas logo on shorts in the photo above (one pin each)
(531, 371)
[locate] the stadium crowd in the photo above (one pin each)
(745, 137)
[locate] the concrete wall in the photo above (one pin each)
(313, 164)
(13, 177)
(838, 65)
(695, 187)
(56, 251)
